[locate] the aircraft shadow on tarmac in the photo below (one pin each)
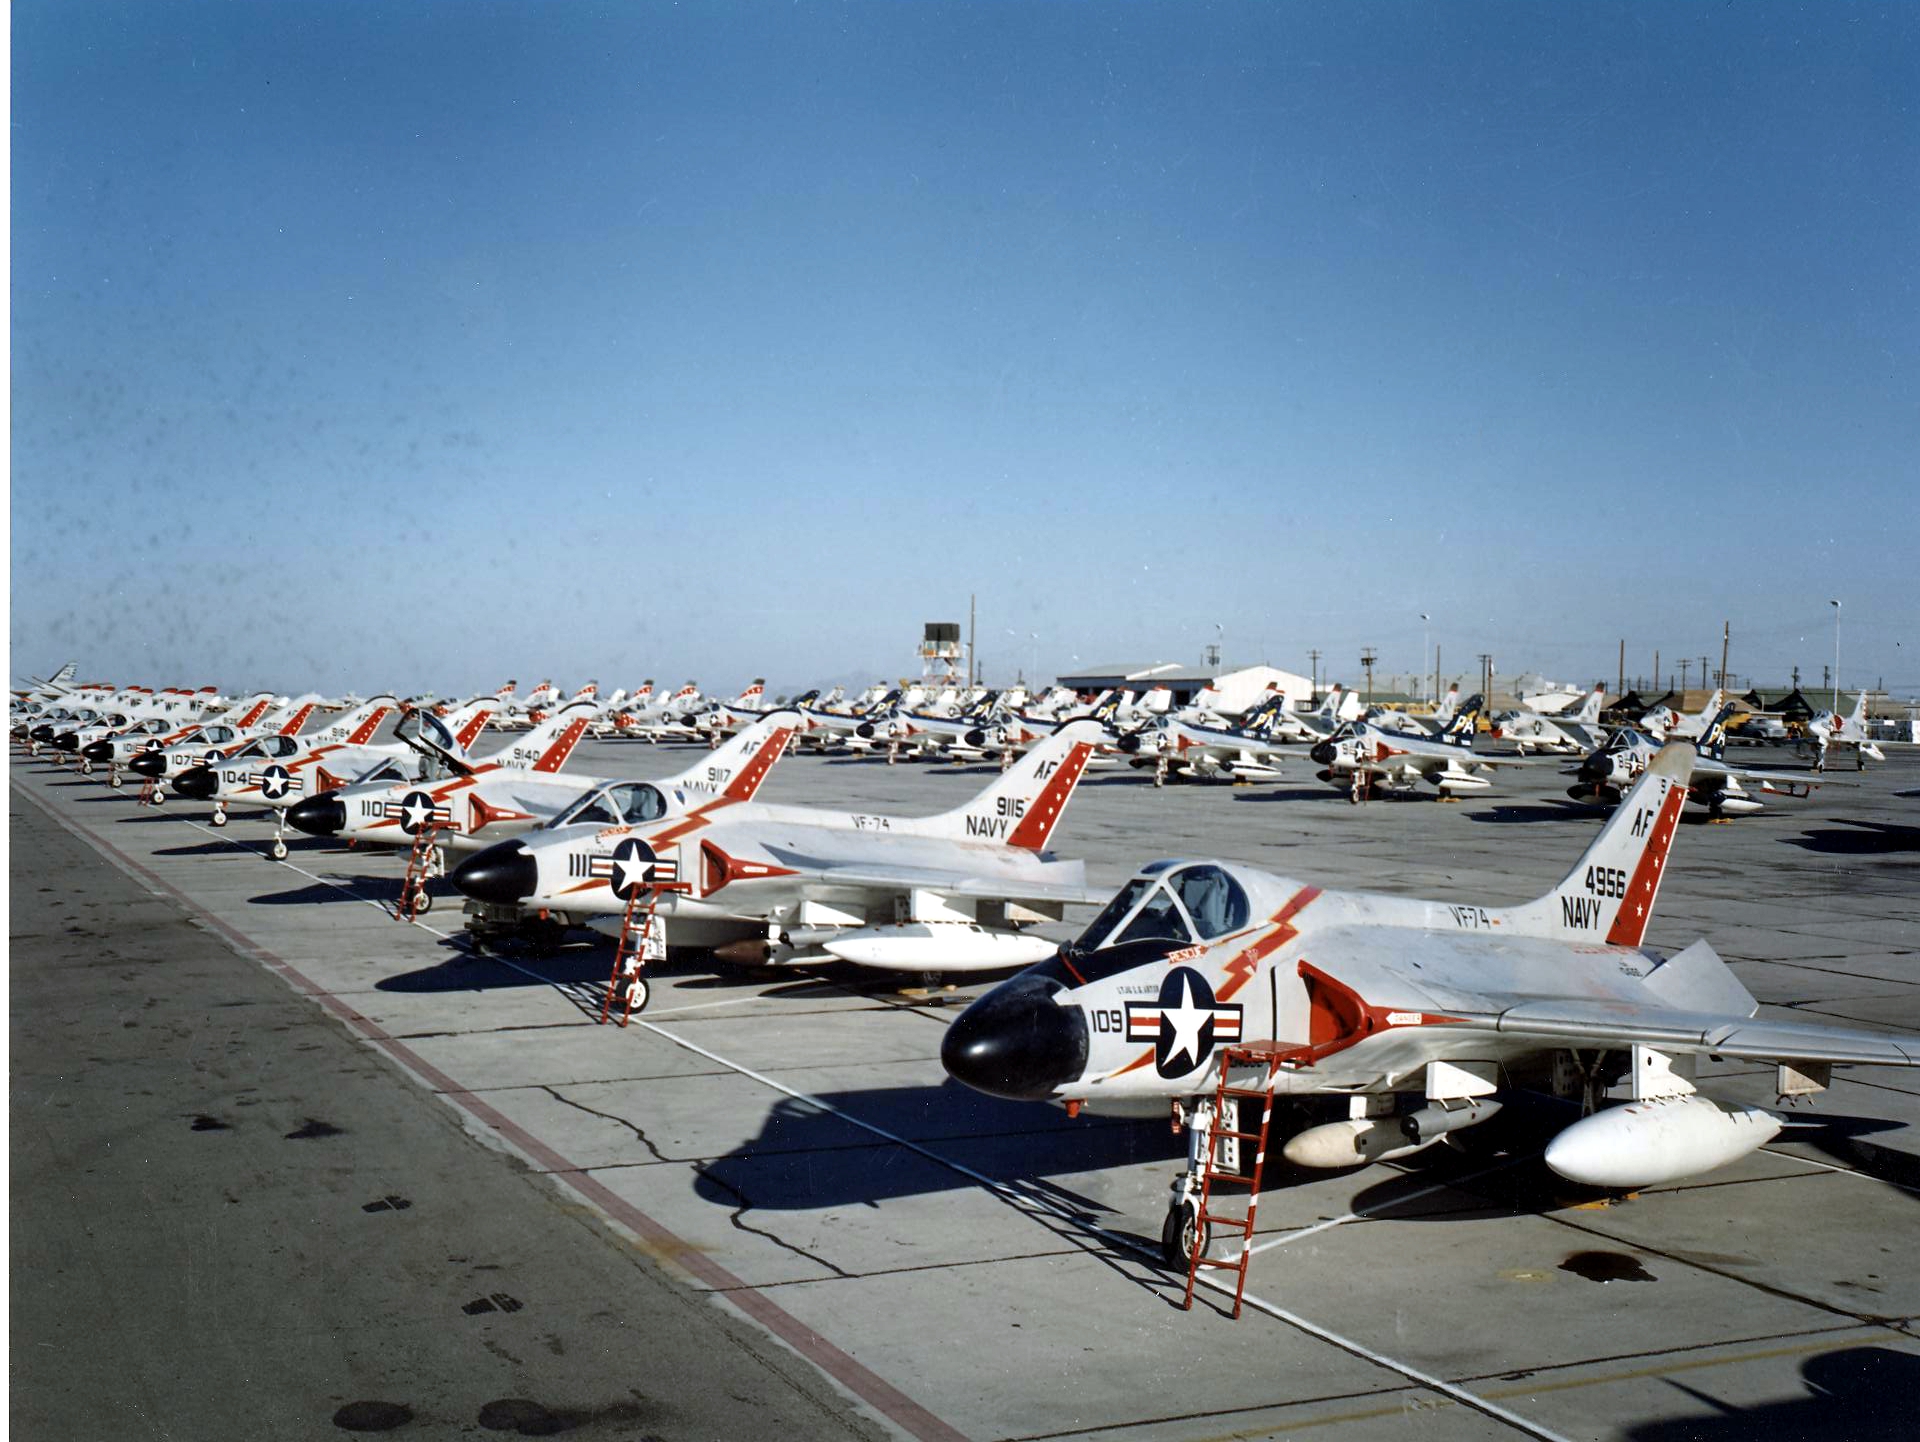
(341, 888)
(1868, 838)
(807, 1159)
(1321, 794)
(466, 970)
(1550, 811)
(1862, 1394)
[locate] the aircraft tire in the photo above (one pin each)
(638, 994)
(115, 781)
(86, 768)
(278, 851)
(219, 818)
(1179, 1231)
(422, 900)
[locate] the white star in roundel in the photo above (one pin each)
(415, 811)
(1185, 1021)
(273, 782)
(630, 869)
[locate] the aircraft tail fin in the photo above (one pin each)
(1023, 806)
(294, 715)
(1608, 896)
(1858, 716)
(736, 770)
(1713, 739)
(1449, 705)
(1460, 728)
(556, 737)
(356, 728)
(1589, 712)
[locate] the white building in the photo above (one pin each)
(1233, 691)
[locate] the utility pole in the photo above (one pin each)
(1705, 675)
(1426, 636)
(1656, 668)
(1726, 639)
(973, 676)
(1623, 668)
(1796, 678)
(1436, 675)
(1314, 657)
(1366, 661)
(1486, 680)
(1686, 664)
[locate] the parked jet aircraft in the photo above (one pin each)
(274, 770)
(1568, 733)
(1247, 751)
(793, 884)
(1361, 753)
(160, 733)
(475, 804)
(211, 744)
(1829, 730)
(1663, 723)
(1409, 1017)
(1714, 786)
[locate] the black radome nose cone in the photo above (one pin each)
(1017, 1042)
(148, 763)
(196, 783)
(101, 750)
(504, 874)
(67, 741)
(1130, 743)
(322, 815)
(1323, 753)
(1595, 769)
(42, 732)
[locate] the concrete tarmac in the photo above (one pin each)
(789, 1146)
(231, 1220)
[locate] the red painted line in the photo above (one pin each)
(864, 1383)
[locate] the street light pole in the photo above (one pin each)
(1426, 642)
(1836, 656)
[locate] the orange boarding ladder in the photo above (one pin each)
(1213, 1172)
(638, 929)
(149, 792)
(414, 896)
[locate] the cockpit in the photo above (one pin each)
(1625, 739)
(625, 803)
(1197, 901)
(1168, 906)
(275, 748)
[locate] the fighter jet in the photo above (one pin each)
(790, 885)
(160, 733)
(275, 770)
(1663, 723)
(1570, 733)
(1245, 751)
(1392, 1022)
(1714, 787)
(1830, 729)
(212, 743)
(474, 804)
(1361, 755)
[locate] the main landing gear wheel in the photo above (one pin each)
(278, 851)
(422, 901)
(1180, 1232)
(638, 994)
(86, 768)
(219, 818)
(159, 798)
(115, 781)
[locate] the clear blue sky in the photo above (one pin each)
(410, 345)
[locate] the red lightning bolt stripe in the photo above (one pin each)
(1241, 969)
